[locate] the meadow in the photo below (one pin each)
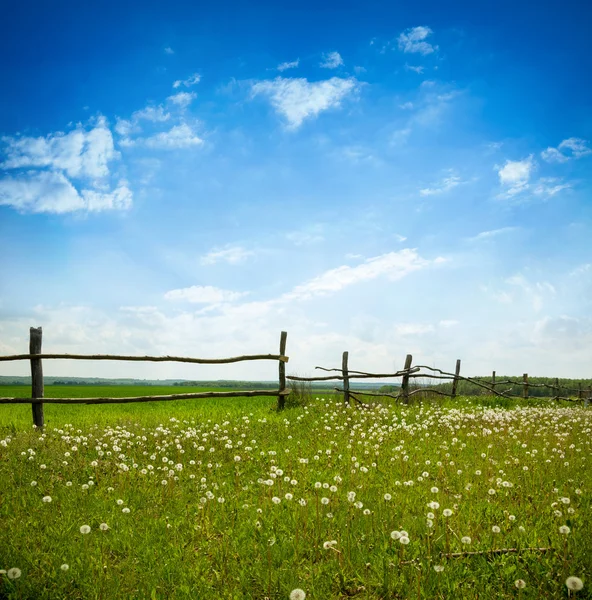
(227, 498)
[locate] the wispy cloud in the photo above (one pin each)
(515, 175)
(332, 60)
(288, 65)
(493, 233)
(179, 136)
(169, 50)
(393, 266)
(413, 40)
(445, 185)
(297, 99)
(419, 70)
(204, 294)
(307, 236)
(183, 99)
(191, 80)
(156, 114)
(232, 255)
(568, 149)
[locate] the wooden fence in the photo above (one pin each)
(408, 372)
(37, 399)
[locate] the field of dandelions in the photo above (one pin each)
(230, 499)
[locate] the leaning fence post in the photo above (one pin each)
(525, 386)
(493, 381)
(36, 375)
(455, 380)
(345, 373)
(282, 372)
(405, 381)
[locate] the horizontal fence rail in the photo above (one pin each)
(37, 399)
(409, 373)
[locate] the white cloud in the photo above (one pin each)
(487, 235)
(298, 99)
(156, 114)
(447, 184)
(52, 192)
(417, 70)
(581, 269)
(169, 50)
(288, 65)
(359, 70)
(413, 328)
(232, 255)
(191, 80)
(179, 136)
(515, 175)
(332, 60)
(79, 153)
(568, 149)
(124, 127)
(394, 266)
(305, 237)
(204, 294)
(182, 99)
(413, 40)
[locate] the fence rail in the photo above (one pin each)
(408, 373)
(37, 399)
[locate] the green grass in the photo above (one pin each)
(179, 541)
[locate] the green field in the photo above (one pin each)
(226, 498)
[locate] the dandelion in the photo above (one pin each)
(125, 510)
(297, 594)
(329, 545)
(388, 497)
(33, 483)
(447, 512)
(564, 530)
(221, 500)
(46, 499)
(404, 540)
(324, 500)
(65, 567)
(84, 529)
(15, 573)
(396, 535)
(572, 583)
(465, 539)
(120, 502)
(520, 584)
(495, 529)
(491, 492)
(438, 568)
(103, 526)
(434, 490)
(276, 500)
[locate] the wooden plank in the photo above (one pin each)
(282, 372)
(345, 375)
(201, 361)
(35, 339)
(405, 382)
(126, 399)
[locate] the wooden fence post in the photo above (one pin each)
(36, 375)
(557, 390)
(493, 381)
(405, 381)
(455, 380)
(579, 390)
(345, 373)
(282, 372)
(525, 386)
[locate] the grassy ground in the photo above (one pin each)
(228, 499)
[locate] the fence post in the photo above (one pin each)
(282, 372)
(455, 380)
(493, 381)
(557, 390)
(345, 373)
(405, 381)
(579, 390)
(36, 375)
(525, 386)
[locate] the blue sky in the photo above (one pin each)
(180, 178)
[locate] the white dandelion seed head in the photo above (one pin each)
(65, 567)
(396, 535)
(520, 584)
(495, 529)
(84, 529)
(564, 530)
(574, 583)
(447, 512)
(388, 497)
(438, 568)
(465, 539)
(297, 594)
(46, 499)
(404, 540)
(103, 526)
(434, 490)
(15, 573)
(125, 510)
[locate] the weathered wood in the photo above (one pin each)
(126, 399)
(282, 372)
(364, 375)
(328, 378)
(493, 381)
(580, 391)
(35, 339)
(405, 382)
(455, 380)
(525, 386)
(557, 389)
(345, 375)
(200, 361)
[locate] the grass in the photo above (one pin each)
(252, 496)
